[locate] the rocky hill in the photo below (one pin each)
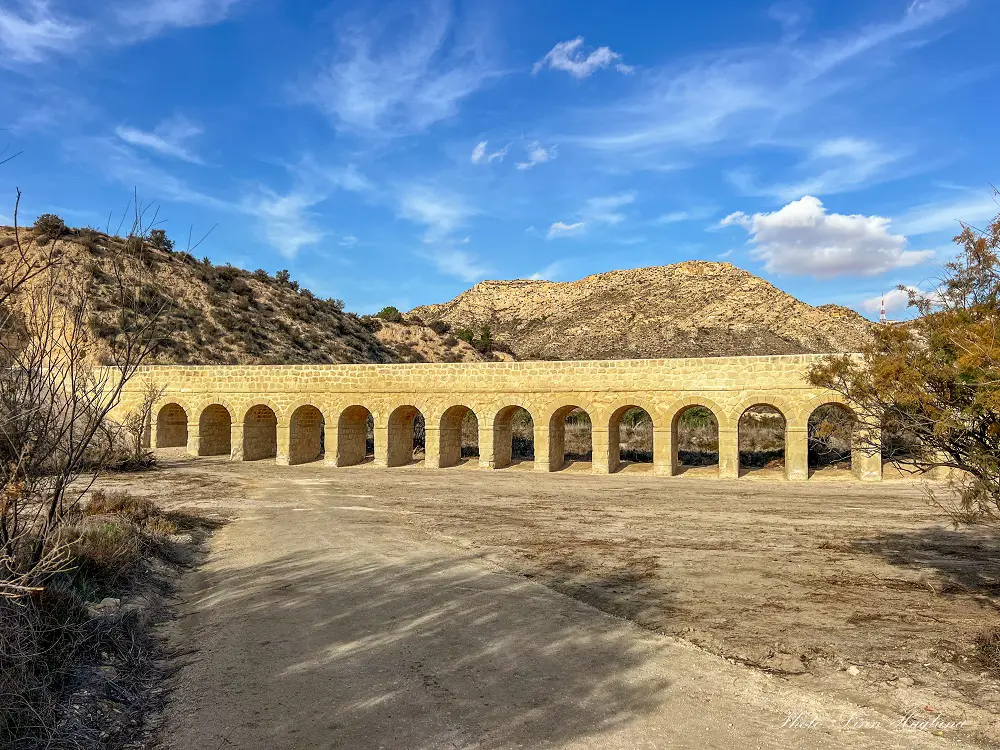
(689, 309)
(226, 315)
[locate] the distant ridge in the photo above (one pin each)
(690, 309)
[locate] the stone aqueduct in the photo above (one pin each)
(292, 412)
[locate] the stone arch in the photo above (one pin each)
(695, 442)
(761, 441)
(306, 427)
(171, 426)
(355, 435)
(402, 437)
(215, 430)
(260, 432)
(639, 436)
(511, 442)
(832, 433)
(722, 416)
(582, 446)
(458, 439)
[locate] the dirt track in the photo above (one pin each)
(401, 609)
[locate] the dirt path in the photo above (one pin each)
(336, 612)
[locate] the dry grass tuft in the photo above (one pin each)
(988, 649)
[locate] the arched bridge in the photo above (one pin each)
(300, 413)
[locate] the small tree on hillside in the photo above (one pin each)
(937, 378)
(159, 240)
(390, 314)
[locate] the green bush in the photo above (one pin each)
(439, 327)
(390, 314)
(159, 240)
(50, 226)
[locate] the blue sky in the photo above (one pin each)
(397, 153)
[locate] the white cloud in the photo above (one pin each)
(440, 211)
(569, 56)
(802, 238)
(537, 154)
(972, 208)
(480, 156)
(456, 263)
(151, 17)
(169, 138)
(348, 240)
(34, 33)
(562, 229)
(381, 84)
(605, 210)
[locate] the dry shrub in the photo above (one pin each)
(58, 654)
(988, 649)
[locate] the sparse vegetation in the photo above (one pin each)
(935, 383)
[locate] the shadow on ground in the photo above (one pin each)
(401, 655)
(966, 561)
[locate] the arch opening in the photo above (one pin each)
(695, 441)
(630, 437)
(355, 436)
(215, 431)
(761, 440)
(513, 438)
(459, 436)
(903, 452)
(570, 439)
(171, 426)
(260, 433)
(831, 441)
(406, 436)
(305, 435)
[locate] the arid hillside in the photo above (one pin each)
(691, 309)
(226, 315)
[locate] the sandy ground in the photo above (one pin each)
(415, 608)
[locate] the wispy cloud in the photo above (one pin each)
(606, 209)
(803, 239)
(537, 154)
(972, 207)
(550, 272)
(481, 156)
(739, 95)
(562, 229)
(380, 87)
(149, 18)
(30, 32)
(440, 211)
(286, 220)
(570, 57)
(169, 138)
(675, 217)
(837, 165)
(455, 262)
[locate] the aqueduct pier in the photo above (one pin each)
(299, 413)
